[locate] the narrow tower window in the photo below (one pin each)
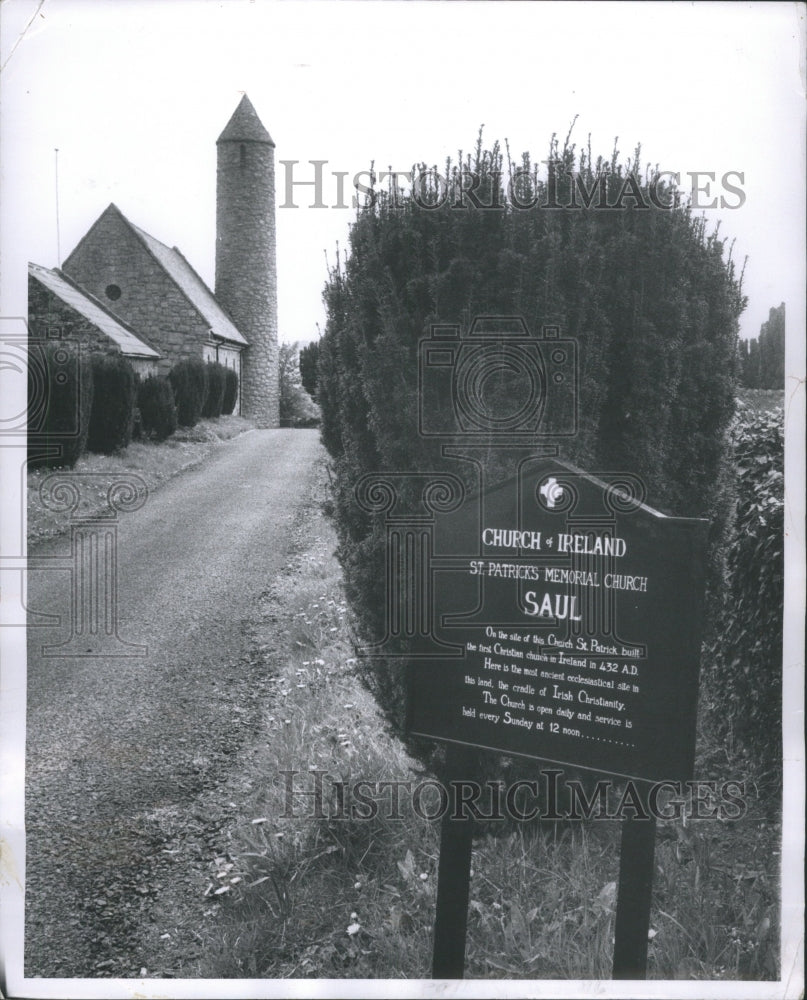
(243, 155)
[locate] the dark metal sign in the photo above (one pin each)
(569, 615)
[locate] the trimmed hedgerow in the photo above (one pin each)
(113, 404)
(158, 411)
(743, 684)
(216, 380)
(230, 391)
(188, 379)
(60, 391)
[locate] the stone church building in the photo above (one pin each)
(122, 290)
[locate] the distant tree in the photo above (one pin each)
(772, 349)
(309, 360)
(297, 409)
(742, 357)
(763, 358)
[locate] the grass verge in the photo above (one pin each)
(310, 889)
(93, 474)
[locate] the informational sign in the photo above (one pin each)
(571, 617)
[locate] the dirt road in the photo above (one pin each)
(132, 760)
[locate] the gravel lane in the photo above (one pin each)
(121, 750)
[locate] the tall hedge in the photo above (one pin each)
(113, 404)
(158, 411)
(60, 390)
(214, 397)
(189, 381)
(230, 397)
(743, 683)
(651, 297)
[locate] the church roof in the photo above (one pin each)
(192, 287)
(91, 309)
(245, 125)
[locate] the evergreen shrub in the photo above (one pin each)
(230, 397)
(309, 360)
(188, 380)
(743, 683)
(113, 404)
(215, 390)
(60, 390)
(158, 411)
(651, 298)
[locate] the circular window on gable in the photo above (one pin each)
(113, 292)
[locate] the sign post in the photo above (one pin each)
(635, 893)
(568, 612)
(453, 876)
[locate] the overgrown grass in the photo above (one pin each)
(329, 896)
(760, 400)
(153, 462)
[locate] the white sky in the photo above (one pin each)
(134, 93)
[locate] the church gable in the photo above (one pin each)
(161, 300)
(114, 263)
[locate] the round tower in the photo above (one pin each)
(246, 248)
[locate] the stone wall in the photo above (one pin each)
(246, 271)
(112, 263)
(51, 319)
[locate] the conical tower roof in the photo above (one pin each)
(245, 126)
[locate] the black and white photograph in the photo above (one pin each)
(402, 553)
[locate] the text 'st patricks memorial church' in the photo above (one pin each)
(121, 290)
